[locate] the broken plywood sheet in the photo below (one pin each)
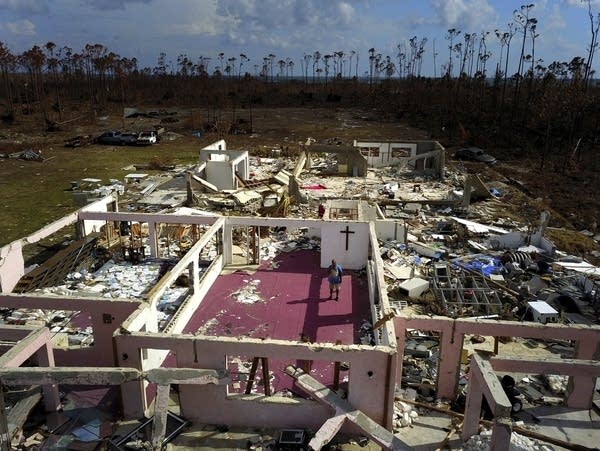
(475, 227)
(401, 272)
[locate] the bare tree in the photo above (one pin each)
(593, 45)
(7, 68)
(521, 17)
(243, 59)
(372, 64)
(450, 36)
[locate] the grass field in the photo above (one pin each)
(33, 194)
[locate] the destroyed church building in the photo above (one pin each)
(232, 311)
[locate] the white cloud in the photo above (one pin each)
(21, 27)
(582, 3)
(555, 19)
(469, 14)
(112, 4)
(24, 6)
(278, 25)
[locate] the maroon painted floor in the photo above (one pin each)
(293, 305)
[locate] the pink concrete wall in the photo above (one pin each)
(367, 388)
(452, 333)
(107, 316)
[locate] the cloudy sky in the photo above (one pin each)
(286, 28)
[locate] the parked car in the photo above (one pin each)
(474, 154)
(146, 138)
(110, 137)
(129, 139)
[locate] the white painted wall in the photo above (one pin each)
(333, 244)
(385, 152)
(100, 205)
(220, 174)
(11, 265)
(390, 230)
(217, 145)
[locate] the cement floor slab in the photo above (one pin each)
(580, 427)
(428, 432)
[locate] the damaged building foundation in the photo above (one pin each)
(233, 323)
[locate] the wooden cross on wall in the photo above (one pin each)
(347, 232)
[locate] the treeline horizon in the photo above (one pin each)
(549, 111)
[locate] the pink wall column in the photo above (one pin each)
(45, 358)
(132, 393)
(449, 365)
(192, 355)
(501, 432)
(472, 408)
(368, 380)
(580, 389)
(450, 348)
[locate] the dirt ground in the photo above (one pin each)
(33, 193)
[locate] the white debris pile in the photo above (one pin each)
(400, 263)
(35, 317)
(169, 303)
(518, 442)
(282, 241)
(248, 294)
(556, 383)
(112, 280)
(366, 333)
(264, 168)
(404, 414)
(119, 280)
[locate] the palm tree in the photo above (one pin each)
(304, 62)
(316, 59)
(221, 55)
(326, 59)
(271, 60)
(371, 64)
(243, 59)
(7, 68)
(352, 53)
(52, 64)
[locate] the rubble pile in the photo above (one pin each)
(404, 415)
(517, 443)
(248, 294)
(113, 280)
(284, 241)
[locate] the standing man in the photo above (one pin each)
(321, 210)
(334, 276)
